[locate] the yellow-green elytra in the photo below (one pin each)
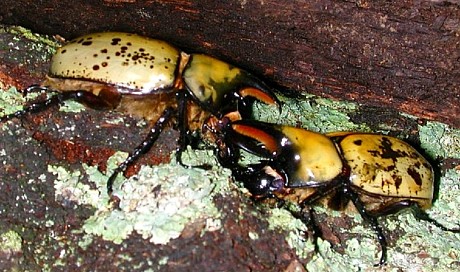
(134, 64)
(385, 166)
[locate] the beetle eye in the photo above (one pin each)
(277, 185)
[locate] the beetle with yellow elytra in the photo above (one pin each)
(378, 174)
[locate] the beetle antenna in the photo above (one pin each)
(141, 149)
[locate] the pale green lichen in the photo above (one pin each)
(12, 101)
(33, 37)
(311, 112)
(282, 220)
(25, 47)
(157, 203)
(440, 140)
(72, 106)
(10, 242)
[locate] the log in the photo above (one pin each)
(402, 55)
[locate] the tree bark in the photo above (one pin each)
(402, 55)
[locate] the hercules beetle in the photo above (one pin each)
(146, 78)
(379, 174)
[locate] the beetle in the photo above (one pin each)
(147, 78)
(379, 174)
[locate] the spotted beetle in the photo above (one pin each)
(379, 174)
(147, 78)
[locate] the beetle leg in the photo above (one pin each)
(307, 216)
(56, 99)
(182, 125)
(422, 215)
(34, 88)
(418, 212)
(141, 149)
(353, 196)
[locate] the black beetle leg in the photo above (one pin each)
(181, 97)
(307, 216)
(422, 215)
(34, 88)
(372, 221)
(143, 148)
(56, 99)
(416, 210)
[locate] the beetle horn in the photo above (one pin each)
(256, 137)
(260, 91)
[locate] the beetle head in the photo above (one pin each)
(261, 180)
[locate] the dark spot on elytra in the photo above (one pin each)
(398, 181)
(141, 49)
(124, 63)
(136, 57)
(63, 51)
(96, 67)
(104, 51)
(95, 55)
(129, 44)
(87, 43)
(427, 165)
(415, 175)
(358, 142)
(390, 168)
(151, 66)
(104, 64)
(115, 41)
(80, 40)
(387, 151)
(117, 54)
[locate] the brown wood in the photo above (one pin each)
(403, 55)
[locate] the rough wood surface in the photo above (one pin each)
(403, 55)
